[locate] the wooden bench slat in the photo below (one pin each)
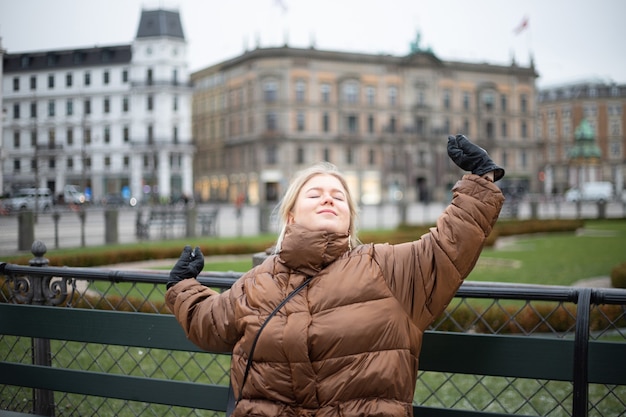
(497, 355)
(160, 331)
(125, 387)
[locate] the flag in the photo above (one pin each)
(523, 25)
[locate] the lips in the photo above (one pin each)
(327, 212)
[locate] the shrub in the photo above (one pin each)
(618, 276)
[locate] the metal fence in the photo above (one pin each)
(487, 308)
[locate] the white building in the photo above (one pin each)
(114, 119)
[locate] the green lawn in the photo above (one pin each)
(553, 259)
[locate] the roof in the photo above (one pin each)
(83, 57)
(158, 23)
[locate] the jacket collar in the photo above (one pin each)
(309, 251)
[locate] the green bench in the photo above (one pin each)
(546, 358)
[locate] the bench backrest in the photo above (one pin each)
(546, 358)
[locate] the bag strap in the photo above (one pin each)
(232, 401)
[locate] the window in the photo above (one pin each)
(149, 79)
(504, 130)
(371, 157)
(150, 134)
(87, 136)
(33, 109)
(270, 91)
(68, 79)
(523, 103)
(16, 84)
(33, 82)
(51, 81)
(125, 104)
(150, 102)
(370, 94)
(488, 101)
(69, 163)
(392, 125)
(33, 138)
(51, 138)
(503, 103)
(271, 154)
(175, 134)
(270, 121)
(352, 122)
(107, 161)
(325, 89)
(300, 121)
(107, 105)
(126, 134)
(69, 136)
(446, 99)
(126, 162)
(87, 106)
(349, 155)
(69, 107)
(107, 134)
(393, 96)
(175, 103)
(326, 155)
(175, 76)
(16, 110)
(351, 92)
(51, 163)
(370, 124)
(300, 91)
(16, 165)
(524, 129)
(87, 79)
(466, 101)
(300, 155)
(105, 78)
(124, 76)
(326, 122)
(16, 139)
(51, 108)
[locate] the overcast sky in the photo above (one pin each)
(570, 40)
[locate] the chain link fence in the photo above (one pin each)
(490, 309)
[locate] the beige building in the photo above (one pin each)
(567, 162)
(382, 119)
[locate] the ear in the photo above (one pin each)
(290, 219)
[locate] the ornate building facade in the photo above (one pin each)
(114, 119)
(382, 119)
(581, 127)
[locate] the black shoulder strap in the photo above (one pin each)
(232, 401)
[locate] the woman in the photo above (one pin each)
(347, 343)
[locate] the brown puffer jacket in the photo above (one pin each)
(348, 343)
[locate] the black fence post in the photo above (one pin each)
(43, 399)
(26, 230)
(111, 228)
(581, 354)
(55, 217)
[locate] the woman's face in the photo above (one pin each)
(322, 204)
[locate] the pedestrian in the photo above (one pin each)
(328, 326)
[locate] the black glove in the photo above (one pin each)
(189, 265)
(473, 158)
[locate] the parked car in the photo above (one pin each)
(25, 199)
(591, 191)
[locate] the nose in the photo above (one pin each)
(327, 199)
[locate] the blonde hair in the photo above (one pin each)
(289, 199)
